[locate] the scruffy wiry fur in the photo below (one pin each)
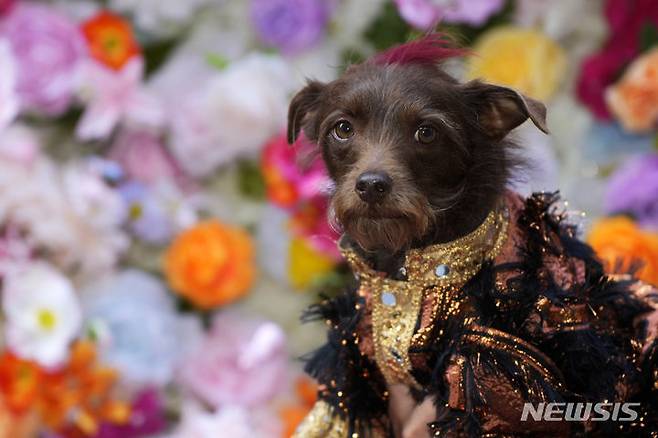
(440, 190)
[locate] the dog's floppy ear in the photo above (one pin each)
(500, 109)
(304, 103)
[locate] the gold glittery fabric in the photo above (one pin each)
(437, 271)
(400, 324)
(323, 422)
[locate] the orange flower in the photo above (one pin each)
(211, 264)
(111, 39)
(20, 382)
(634, 99)
(76, 398)
(293, 414)
(621, 245)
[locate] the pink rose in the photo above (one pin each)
(143, 158)
(48, 47)
(241, 362)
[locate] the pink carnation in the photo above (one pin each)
(48, 47)
(240, 362)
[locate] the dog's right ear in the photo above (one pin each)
(301, 106)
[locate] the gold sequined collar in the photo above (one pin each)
(437, 270)
(452, 263)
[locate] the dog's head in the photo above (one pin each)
(407, 145)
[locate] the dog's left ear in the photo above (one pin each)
(301, 106)
(500, 109)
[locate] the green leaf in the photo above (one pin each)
(388, 29)
(648, 36)
(250, 180)
(216, 60)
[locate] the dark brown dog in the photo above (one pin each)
(417, 157)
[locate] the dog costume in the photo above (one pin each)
(517, 311)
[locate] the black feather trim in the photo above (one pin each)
(351, 382)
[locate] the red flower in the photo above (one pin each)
(626, 19)
(111, 39)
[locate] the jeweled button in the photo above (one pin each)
(441, 271)
(388, 299)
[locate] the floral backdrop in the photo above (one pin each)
(158, 237)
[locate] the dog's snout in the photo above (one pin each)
(373, 186)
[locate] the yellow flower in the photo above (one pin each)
(211, 264)
(523, 59)
(306, 264)
(622, 245)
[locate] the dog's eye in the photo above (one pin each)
(343, 130)
(425, 134)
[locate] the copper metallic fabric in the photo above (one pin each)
(517, 311)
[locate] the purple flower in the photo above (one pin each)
(48, 47)
(425, 14)
(633, 189)
(290, 25)
(148, 418)
(155, 212)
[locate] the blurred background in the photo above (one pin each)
(158, 237)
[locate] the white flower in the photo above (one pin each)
(159, 16)
(8, 97)
(233, 114)
(231, 421)
(42, 313)
(115, 97)
(68, 212)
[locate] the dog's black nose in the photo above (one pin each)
(373, 186)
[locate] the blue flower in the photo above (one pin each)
(140, 332)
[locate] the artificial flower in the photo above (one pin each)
(241, 362)
(288, 179)
(426, 14)
(310, 221)
(9, 103)
(210, 264)
(79, 397)
(559, 19)
(147, 418)
(42, 314)
(159, 17)
(20, 383)
(307, 264)
(633, 189)
(290, 25)
(115, 96)
(231, 421)
(111, 40)
(222, 119)
(158, 211)
(626, 19)
(14, 250)
(624, 247)
(19, 144)
(68, 212)
(48, 48)
(634, 99)
(293, 413)
(140, 333)
(143, 157)
(6, 6)
(519, 58)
